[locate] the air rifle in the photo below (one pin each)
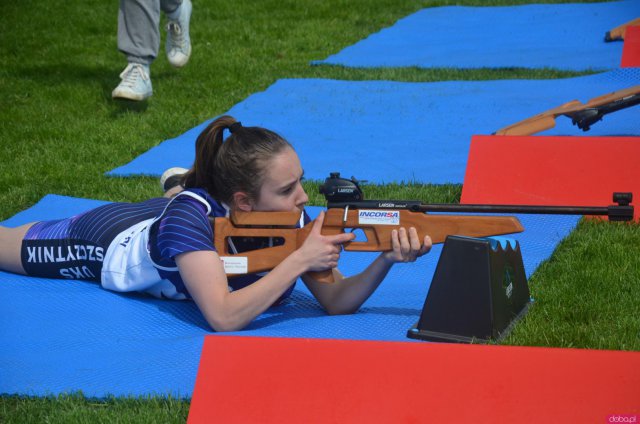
(347, 211)
(376, 224)
(619, 32)
(582, 115)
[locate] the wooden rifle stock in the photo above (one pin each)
(282, 225)
(582, 115)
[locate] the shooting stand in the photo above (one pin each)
(478, 292)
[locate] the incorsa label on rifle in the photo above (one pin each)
(234, 264)
(378, 217)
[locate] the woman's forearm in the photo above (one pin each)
(347, 294)
(230, 311)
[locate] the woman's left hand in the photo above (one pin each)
(406, 245)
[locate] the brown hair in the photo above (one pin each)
(237, 163)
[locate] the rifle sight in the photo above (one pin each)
(338, 189)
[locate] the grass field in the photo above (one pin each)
(60, 132)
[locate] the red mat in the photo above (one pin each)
(278, 380)
(631, 48)
(551, 170)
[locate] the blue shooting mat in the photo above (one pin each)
(562, 36)
(384, 131)
(61, 336)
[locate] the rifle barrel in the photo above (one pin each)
(614, 212)
(519, 209)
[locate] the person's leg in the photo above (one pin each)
(139, 30)
(139, 40)
(11, 247)
(178, 42)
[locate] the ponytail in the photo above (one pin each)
(239, 163)
(208, 143)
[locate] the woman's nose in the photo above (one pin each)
(302, 197)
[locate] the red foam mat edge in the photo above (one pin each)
(551, 170)
(285, 380)
(631, 48)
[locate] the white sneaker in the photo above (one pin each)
(135, 84)
(178, 43)
(172, 178)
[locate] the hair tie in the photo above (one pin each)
(235, 127)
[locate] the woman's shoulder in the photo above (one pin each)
(200, 200)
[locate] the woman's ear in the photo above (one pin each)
(242, 201)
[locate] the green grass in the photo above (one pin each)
(60, 132)
(587, 294)
(76, 408)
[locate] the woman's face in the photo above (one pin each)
(282, 189)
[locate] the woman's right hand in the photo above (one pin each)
(320, 252)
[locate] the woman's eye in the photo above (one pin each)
(290, 189)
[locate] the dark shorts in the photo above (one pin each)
(62, 258)
(75, 247)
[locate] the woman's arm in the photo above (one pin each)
(346, 295)
(204, 277)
